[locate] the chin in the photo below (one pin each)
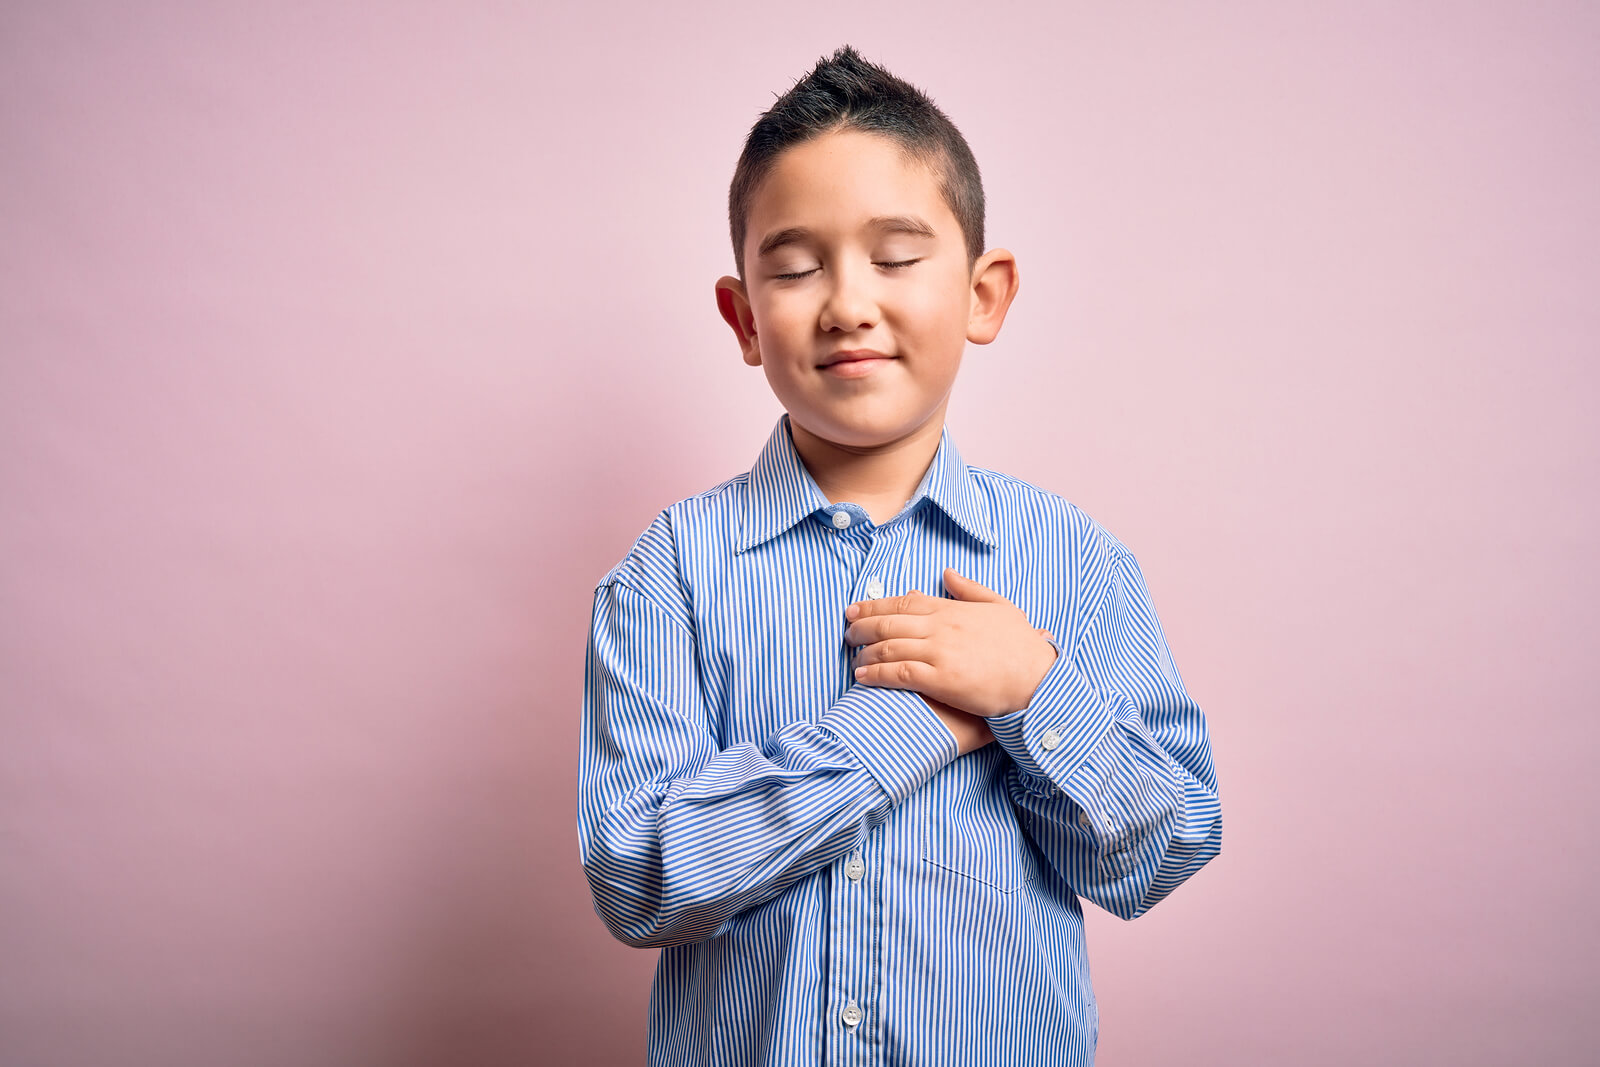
(869, 424)
(864, 434)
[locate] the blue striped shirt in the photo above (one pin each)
(827, 881)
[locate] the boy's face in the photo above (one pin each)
(858, 299)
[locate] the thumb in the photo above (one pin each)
(963, 588)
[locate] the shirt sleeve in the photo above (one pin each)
(1112, 773)
(678, 836)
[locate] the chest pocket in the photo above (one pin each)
(970, 826)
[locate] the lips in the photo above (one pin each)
(854, 355)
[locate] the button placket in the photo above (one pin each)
(881, 563)
(853, 957)
(855, 934)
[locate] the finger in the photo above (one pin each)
(915, 602)
(898, 648)
(898, 674)
(963, 588)
(883, 627)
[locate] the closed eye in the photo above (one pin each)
(890, 265)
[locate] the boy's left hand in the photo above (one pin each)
(977, 652)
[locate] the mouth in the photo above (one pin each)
(853, 362)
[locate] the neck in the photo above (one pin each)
(880, 478)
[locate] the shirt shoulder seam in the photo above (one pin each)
(617, 581)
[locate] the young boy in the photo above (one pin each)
(856, 813)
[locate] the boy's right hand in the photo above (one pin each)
(971, 731)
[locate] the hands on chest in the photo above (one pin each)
(976, 656)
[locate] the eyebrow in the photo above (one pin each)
(907, 224)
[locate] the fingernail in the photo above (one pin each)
(851, 612)
(859, 672)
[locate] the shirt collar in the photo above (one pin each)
(781, 492)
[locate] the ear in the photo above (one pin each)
(994, 286)
(734, 304)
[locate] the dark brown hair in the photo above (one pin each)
(845, 92)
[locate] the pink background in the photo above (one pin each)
(344, 346)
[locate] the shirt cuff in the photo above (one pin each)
(894, 733)
(1051, 737)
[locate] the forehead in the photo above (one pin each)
(838, 183)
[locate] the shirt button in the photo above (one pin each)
(1083, 820)
(851, 1015)
(841, 519)
(854, 868)
(1050, 740)
(874, 587)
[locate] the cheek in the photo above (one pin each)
(941, 312)
(784, 320)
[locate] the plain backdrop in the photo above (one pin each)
(344, 346)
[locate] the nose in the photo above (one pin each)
(851, 304)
